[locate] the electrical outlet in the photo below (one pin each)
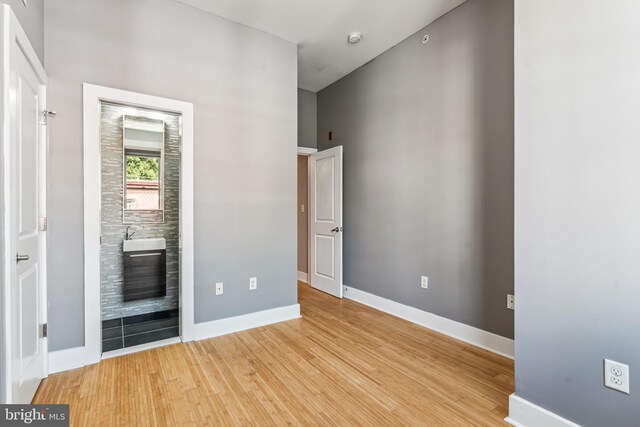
(424, 282)
(511, 302)
(616, 375)
(302, 208)
(219, 288)
(253, 283)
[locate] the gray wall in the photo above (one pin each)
(31, 19)
(243, 86)
(577, 206)
(427, 132)
(307, 119)
(144, 223)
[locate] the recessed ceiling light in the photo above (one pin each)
(354, 37)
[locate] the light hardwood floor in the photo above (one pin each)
(342, 364)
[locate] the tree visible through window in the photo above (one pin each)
(143, 182)
(143, 168)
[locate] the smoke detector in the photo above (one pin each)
(354, 37)
(425, 39)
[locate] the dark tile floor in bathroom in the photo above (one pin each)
(140, 329)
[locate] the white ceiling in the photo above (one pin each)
(320, 29)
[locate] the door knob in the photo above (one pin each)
(335, 230)
(22, 257)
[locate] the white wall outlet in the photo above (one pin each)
(424, 282)
(219, 288)
(253, 283)
(511, 302)
(302, 208)
(616, 375)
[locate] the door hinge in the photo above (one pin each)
(45, 116)
(43, 223)
(45, 330)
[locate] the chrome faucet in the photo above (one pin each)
(130, 235)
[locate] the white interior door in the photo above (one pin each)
(325, 221)
(26, 236)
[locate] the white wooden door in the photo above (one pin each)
(27, 246)
(325, 221)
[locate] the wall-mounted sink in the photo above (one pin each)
(144, 245)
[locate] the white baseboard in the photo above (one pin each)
(67, 359)
(470, 334)
(523, 413)
(77, 357)
(230, 325)
(303, 277)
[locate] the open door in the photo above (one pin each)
(325, 221)
(25, 204)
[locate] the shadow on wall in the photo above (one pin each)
(494, 105)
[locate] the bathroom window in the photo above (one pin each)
(143, 189)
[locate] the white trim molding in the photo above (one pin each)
(70, 358)
(306, 151)
(303, 277)
(523, 413)
(469, 334)
(216, 328)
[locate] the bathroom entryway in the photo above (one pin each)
(139, 241)
(140, 225)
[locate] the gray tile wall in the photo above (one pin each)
(145, 223)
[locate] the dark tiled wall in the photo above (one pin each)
(145, 223)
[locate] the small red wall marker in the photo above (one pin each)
(331, 136)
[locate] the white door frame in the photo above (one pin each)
(13, 37)
(92, 97)
(306, 151)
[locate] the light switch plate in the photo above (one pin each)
(219, 288)
(616, 375)
(424, 282)
(253, 283)
(511, 302)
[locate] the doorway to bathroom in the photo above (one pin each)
(138, 221)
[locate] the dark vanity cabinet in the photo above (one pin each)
(145, 274)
